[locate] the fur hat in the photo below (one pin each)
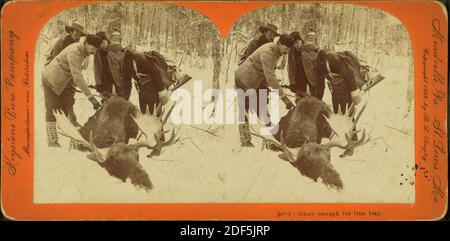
(94, 40)
(286, 40)
(102, 35)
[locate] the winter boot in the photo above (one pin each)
(52, 135)
(245, 136)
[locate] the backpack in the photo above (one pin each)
(354, 64)
(160, 63)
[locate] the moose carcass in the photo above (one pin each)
(305, 123)
(313, 159)
(119, 158)
(304, 127)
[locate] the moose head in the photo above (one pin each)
(314, 160)
(120, 159)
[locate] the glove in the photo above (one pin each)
(95, 103)
(356, 97)
(287, 102)
(293, 88)
(99, 88)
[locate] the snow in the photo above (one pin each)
(206, 168)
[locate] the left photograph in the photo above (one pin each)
(104, 78)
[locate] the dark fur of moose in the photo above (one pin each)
(122, 161)
(313, 161)
(305, 123)
(304, 127)
(112, 123)
(110, 129)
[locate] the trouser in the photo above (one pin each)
(54, 102)
(69, 96)
(341, 99)
(148, 98)
(63, 102)
(105, 89)
(244, 128)
(316, 91)
(124, 91)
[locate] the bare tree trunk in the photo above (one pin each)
(216, 56)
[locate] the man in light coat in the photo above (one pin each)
(256, 72)
(63, 71)
(75, 32)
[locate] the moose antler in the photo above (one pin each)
(152, 125)
(66, 127)
(69, 130)
(288, 153)
(344, 125)
(351, 144)
(97, 153)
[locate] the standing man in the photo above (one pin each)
(151, 81)
(302, 69)
(343, 81)
(151, 78)
(116, 57)
(108, 68)
(102, 73)
(269, 32)
(61, 73)
(75, 32)
(259, 70)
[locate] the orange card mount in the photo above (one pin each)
(84, 163)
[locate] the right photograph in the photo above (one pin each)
(334, 85)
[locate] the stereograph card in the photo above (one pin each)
(224, 110)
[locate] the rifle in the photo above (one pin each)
(372, 82)
(105, 93)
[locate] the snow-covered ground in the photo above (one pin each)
(205, 168)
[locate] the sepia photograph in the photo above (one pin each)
(148, 103)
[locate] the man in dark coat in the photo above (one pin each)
(102, 73)
(109, 70)
(344, 86)
(342, 79)
(296, 72)
(302, 69)
(149, 69)
(269, 32)
(75, 32)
